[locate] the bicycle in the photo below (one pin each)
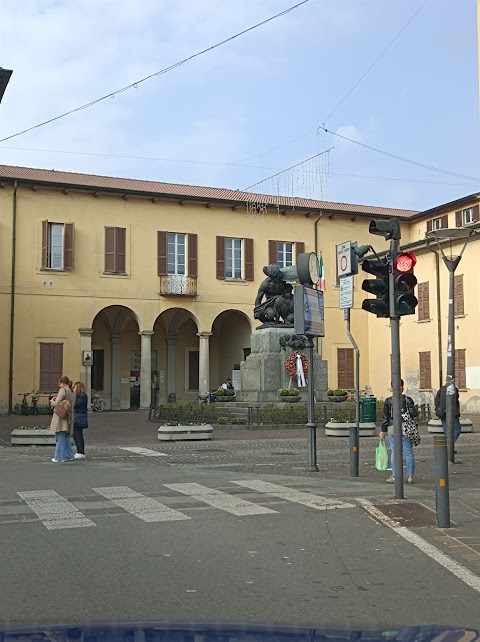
(24, 409)
(98, 404)
(210, 397)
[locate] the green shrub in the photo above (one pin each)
(220, 392)
(289, 392)
(338, 392)
(239, 420)
(228, 393)
(223, 420)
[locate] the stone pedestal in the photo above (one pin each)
(263, 372)
(435, 426)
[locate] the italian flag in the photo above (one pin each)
(321, 275)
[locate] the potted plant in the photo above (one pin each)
(337, 395)
(229, 395)
(290, 395)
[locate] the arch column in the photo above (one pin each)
(116, 352)
(171, 366)
(86, 371)
(204, 362)
(145, 369)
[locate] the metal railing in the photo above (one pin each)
(178, 285)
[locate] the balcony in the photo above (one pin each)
(178, 285)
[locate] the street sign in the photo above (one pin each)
(344, 259)
(346, 292)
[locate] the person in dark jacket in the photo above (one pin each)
(408, 405)
(80, 418)
(441, 411)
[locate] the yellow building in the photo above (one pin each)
(156, 283)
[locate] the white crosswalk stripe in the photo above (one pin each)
(54, 511)
(146, 508)
(292, 495)
(218, 499)
(148, 452)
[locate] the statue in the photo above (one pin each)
(277, 308)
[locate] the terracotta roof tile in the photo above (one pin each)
(130, 185)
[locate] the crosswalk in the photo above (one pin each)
(56, 512)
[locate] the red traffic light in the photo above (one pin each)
(405, 262)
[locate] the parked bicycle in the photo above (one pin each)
(24, 408)
(210, 397)
(98, 404)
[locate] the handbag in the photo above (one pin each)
(381, 456)
(410, 428)
(63, 409)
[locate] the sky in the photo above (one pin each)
(255, 106)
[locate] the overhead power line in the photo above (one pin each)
(157, 73)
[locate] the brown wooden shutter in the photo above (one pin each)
(51, 366)
(272, 252)
(248, 244)
(120, 250)
(162, 267)
(220, 257)
(44, 244)
(109, 249)
(425, 371)
(459, 306)
(299, 248)
(458, 219)
(444, 221)
(476, 213)
(429, 226)
(345, 368)
(460, 369)
(68, 246)
(424, 301)
(192, 255)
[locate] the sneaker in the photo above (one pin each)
(410, 479)
(79, 456)
(56, 461)
(391, 480)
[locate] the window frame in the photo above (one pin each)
(468, 210)
(176, 236)
(119, 258)
(67, 250)
(437, 223)
(240, 259)
(282, 249)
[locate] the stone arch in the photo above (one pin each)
(230, 344)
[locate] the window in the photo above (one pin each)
(57, 246)
(425, 371)
(284, 253)
(115, 250)
(460, 369)
(345, 370)
(193, 365)
(234, 258)
(51, 366)
(437, 223)
(176, 253)
(423, 302)
(467, 216)
(459, 303)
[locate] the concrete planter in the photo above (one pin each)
(185, 433)
(25, 437)
(435, 426)
(339, 398)
(333, 429)
(290, 398)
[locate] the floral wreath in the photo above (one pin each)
(291, 364)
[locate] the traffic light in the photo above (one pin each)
(404, 282)
(378, 286)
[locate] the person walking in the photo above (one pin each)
(80, 418)
(441, 411)
(62, 427)
(408, 405)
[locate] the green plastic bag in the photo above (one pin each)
(381, 456)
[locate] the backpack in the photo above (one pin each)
(437, 405)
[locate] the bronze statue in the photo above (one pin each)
(277, 308)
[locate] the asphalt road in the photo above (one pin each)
(149, 546)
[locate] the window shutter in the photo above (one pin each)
(57, 363)
(45, 369)
(299, 248)
(220, 257)
(272, 252)
(460, 369)
(345, 368)
(68, 246)
(192, 255)
(476, 213)
(44, 244)
(458, 219)
(51, 366)
(109, 249)
(444, 221)
(425, 371)
(248, 245)
(424, 301)
(120, 250)
(429, 226)
(459, 307)
(162, 253)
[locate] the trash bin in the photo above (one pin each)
(369, 409)
(172, 397)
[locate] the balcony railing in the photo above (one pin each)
(178, 285)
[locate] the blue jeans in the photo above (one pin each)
(408, 454)
(63, 449)
(457, 429)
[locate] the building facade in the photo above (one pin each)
(145, 290)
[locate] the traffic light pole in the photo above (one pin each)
(451, 390)
(354, 431)
(396, 385)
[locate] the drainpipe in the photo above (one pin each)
(317, 341)
(12, 299)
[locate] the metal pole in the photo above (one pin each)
(442, 496)
(396, 385)
(354, 430)
(311, 425)
(451, 397)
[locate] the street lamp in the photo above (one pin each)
(446, 238)
(4, 78)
